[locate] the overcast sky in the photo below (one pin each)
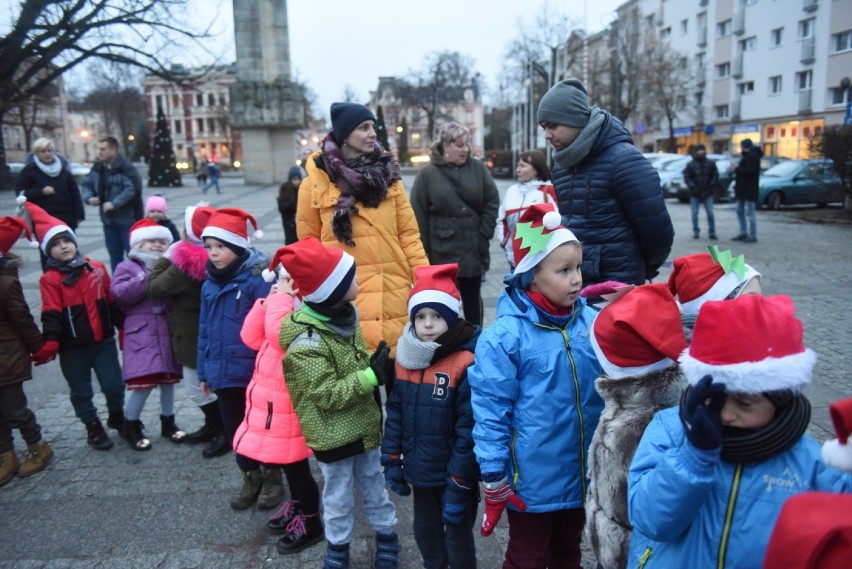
(334, 43)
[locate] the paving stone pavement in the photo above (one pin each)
(168, 508)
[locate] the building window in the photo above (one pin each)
(842, 41)
(177, 127)
(723, 29)
(723, 70)
(199, 100)
(806, 28)
(211, 99)
(211, 125)
(199, 125)
(804, 80)
(776, 36)
(745, 88)
(159, 99)
(222, 100)
(721, 111)
(684, 27)
(666, 33)
(748, 44)
(775, 85)
(841, 96)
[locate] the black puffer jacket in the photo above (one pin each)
(701, 177)
(748, 175)
(613, 203)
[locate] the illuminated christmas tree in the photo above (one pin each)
(162, 171)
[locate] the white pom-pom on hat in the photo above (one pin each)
(838, 452)
(258, 234)
(551, 220)
(21, 199)
(268, 275)
(837, 455)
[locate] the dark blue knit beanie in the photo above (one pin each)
(345, 117)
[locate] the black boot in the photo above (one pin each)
(116, 421)
(135, 437)
(282, 517)
(96, 435)
(221, 445)
(169, 430)
(302, 532)
(211, 427)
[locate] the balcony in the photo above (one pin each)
(810, 5)
(737, 67)
(805, 96)
(736, 104)
(808, 50)
(739, 22)
(702, 36)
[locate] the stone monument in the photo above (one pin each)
(265, 104)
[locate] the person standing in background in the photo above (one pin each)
(288, 194)
(701, 177)
(747, 190)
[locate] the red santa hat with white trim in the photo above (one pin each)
(11, 229)
(639, 333)
(230, 226)
(322, 274)
(838, 452)
(147, 228)
(45, 226)
(697, 278)
(538, 232)
(753, 344)
(195, 219)
(435, 288)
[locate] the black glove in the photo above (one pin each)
(394, 478)
(702, 414)
(379, 362)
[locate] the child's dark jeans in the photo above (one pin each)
(444, 545)
(77, 365)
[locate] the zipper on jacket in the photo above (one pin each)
(645, 557)
(515, 468)
(268, 415)
(71, 322)
(729, 515)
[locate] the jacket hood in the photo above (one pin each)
(257, 261)
(613, 132)
(294, 324)
(190, 259)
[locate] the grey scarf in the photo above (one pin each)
(148, 258)
(412, 352)
(579, 149)
(53, 169)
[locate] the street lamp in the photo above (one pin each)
(84, 134)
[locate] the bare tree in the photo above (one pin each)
(627, 38)
(667, 77)
(51, 37)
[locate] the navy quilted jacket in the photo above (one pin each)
(613, 203)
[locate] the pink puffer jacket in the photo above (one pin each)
(270, 431)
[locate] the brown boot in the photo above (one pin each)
(9, 465)
(252, 483)
(36, 458)
(272, 491)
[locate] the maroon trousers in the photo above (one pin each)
(542, 540)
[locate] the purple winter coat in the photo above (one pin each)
(147, 339)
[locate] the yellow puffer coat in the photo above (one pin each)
(387, 249)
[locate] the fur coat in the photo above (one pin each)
(629, 405)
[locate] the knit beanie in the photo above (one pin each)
(294, 172)
(157, 203)
(566, 103)
(435, 288)
(345, 117)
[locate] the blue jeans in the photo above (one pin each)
(694, 203)
(444, 545)
(117, 238)
(214, 181)
(77, 365)
(747, 208)
(338, 496)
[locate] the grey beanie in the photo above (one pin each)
(566, 103)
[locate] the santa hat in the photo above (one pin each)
(276, 270)
(148, 229)
(45, 226)
(229, 225)
(322, 274)
(195, 219)
(695, 279)
(752, 344)
(10, 230)
(838, 452)
(638, 333)
(537, 233)
(813, 531)
(156, 203)
(435, 288)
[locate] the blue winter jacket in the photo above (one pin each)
(429, 420)
(613, 203)
(687, 512)
(223, 359)
(534, 402)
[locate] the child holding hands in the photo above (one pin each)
(428, 440)
(534, 399)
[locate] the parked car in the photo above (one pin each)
(79, 171)
(794, 182)
(725, 166)
(670, 169)
(655, 158)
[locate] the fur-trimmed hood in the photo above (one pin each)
(190, 259)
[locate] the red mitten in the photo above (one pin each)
(497, 495)
(46, 353)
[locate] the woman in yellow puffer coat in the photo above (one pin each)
(353, 198)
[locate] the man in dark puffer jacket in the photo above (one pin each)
(609, 194)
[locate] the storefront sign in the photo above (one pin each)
(683, 131)
(745, 127)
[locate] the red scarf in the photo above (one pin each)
(541, 301)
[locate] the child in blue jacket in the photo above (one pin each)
(534, 399)
(709, 478)
(225, 364)
(428, 441)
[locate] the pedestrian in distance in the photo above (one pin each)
(609, 194)
(177, 276)
(147, 349)
(214, 173)
(747, 190)
(22, 343)
(333, 381)
(702, 178)
(225, 363)
(638, 339)
(428, 443)
(201, 172)
(288, 196)
(270, 432)
(79, 318)
(524, 388)
(710, 477)
(456, 204)
(533, 187)
(157, 209)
